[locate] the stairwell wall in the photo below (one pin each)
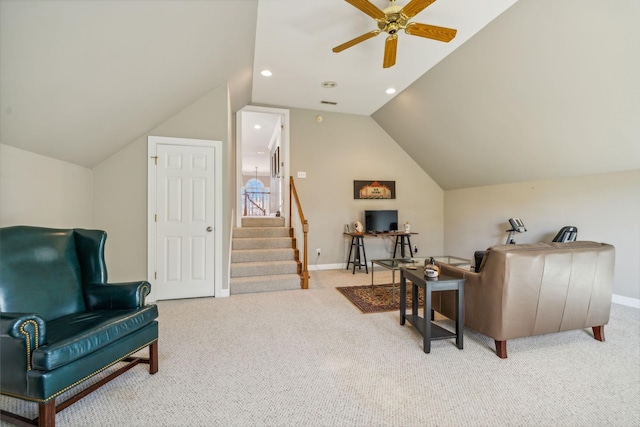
(346, 147)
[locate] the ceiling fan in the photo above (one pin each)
(393, 19)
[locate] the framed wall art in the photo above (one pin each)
(374, 189)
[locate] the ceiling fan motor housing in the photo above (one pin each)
(394, 20)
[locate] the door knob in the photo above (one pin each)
(209, 229)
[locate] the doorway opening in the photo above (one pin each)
(262, 162)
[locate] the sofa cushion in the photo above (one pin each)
(75, 336)
(40, 272)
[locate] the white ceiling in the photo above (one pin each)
(79, 80)
(294, 40)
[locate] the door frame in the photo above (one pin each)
(284, 145)
(152, 144)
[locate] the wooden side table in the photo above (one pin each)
(428, 329)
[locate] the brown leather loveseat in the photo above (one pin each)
(534, 289)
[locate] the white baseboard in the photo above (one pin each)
(616, 299)
(318, 267)
(630, 302)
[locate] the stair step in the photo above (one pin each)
(262, 243)
(263, 221)
(269, 268)
(256, 232)
(257, 255)
(281, 282)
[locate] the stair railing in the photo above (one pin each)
(293, 197)
(257, 203)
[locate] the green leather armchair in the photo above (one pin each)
(61, 322)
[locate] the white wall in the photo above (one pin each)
(41, 191)
(343, 148)
(604, 207)
(121, 184)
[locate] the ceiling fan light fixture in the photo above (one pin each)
(393, 19)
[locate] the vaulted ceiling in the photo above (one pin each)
(539, 88)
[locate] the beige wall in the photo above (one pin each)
(120, 184)
(41, 191)
(343, 148)
(604, 207)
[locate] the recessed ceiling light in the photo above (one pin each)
(328, 84)
(257, 126)
(390, 90)
(266, 73)
(260, 152)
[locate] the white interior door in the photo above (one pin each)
(185, 244)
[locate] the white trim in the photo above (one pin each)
(318, 267)
(622, 300)
(615, 299)
(152, 143)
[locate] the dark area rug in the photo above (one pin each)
(379, 299)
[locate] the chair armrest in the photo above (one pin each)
(21, 334)
(116, 295)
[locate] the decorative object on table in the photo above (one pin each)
(357, 226)
(407, 227)
(374, 189)
(377, 300)
(431, 270)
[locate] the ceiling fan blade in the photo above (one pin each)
(390, 49)
(355, 41)
(368, 8)
(431, 32)
(414, 7)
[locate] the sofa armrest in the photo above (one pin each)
(117, 296)
(21, 334)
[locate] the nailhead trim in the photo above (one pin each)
(83, 379)
(27, 336)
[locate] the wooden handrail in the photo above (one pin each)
(293, 195)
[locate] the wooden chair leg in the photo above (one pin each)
(598, 332)
(501, 349)
(153, 357)
(47, 414)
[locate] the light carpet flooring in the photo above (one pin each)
(311, 358)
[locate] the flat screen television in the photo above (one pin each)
(380, 221)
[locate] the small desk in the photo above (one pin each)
(359, 255)
(402, 240)
(427, 329)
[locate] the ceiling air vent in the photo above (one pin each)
(328, 102)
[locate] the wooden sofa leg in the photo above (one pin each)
(153, 357)
(598, 332)
(47, 414)
(501, 349)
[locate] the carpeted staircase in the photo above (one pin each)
(263, 257)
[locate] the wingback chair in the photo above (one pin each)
(61, 321)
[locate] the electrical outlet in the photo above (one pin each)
(318, 251)
(415, 249)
